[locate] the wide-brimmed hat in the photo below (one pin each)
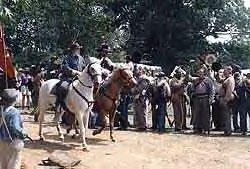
(237, 75)
(9, 96)
(104, 47)
(75, 45)
(247, 82)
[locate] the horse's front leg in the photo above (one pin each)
(82, 131)
(111, 125)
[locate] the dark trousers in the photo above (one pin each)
(226, 112)
(179, 113)
(216, 115)
(160, 117)
(93, 120)
(153, 116)
(124, 112)
(243, 118)
(235, 113)
(201, 114)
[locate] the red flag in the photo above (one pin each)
(5, 57)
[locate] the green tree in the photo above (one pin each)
(49, 26)
(174, 31)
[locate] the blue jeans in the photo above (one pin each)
(124, 111)
(93, 120)
(160, 117)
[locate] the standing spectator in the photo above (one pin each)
(178, 99)
(153, 91)
(236, 102)
(163, 94)
(37, 82)
(141, 101)
(25, 80)
(226, 98)
(11, 132)
(216, 114)
(244, 95)
(124, 103)
(203, 95)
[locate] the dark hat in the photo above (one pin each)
(9, 96)
(247, 82)
(128, 58)
(104, 47)
(75, 45)
(237, 75)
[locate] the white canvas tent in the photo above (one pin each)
(143, 66)
(245, 71)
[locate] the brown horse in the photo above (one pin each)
(107, 96)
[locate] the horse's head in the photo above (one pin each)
(126, 77)
(94, 71)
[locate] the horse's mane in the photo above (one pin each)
(114, 73)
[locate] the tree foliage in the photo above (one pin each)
(173, 31)
(170, 32)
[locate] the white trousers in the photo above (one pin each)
(10, 154)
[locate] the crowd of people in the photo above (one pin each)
(215, 97)
(212, 97)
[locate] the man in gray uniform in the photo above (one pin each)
(203, 96)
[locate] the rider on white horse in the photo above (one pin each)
(72, 65)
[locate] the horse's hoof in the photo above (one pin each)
(36, 118)
(75, 136)
(68, 131)
(85, 149)
(95, 132)
(113, 140)
(42, 139)
(61, 138)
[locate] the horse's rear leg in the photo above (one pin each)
(41, 119)
(111, 125)
(76, 130)
(103, 124)
(58, 116)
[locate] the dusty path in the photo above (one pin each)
(135, 150)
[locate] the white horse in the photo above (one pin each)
(78, 100)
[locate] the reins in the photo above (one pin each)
(83, 97)
(90, 103)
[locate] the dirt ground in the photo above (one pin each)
(142, 150)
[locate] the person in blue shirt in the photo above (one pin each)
(11, 131)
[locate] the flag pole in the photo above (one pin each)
(5, 58)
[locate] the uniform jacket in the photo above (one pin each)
(14, 124)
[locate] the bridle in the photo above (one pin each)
(90, 103)
(123, 77)
(92, 76)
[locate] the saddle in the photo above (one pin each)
(60, 90)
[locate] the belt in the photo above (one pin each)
(201, 95)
